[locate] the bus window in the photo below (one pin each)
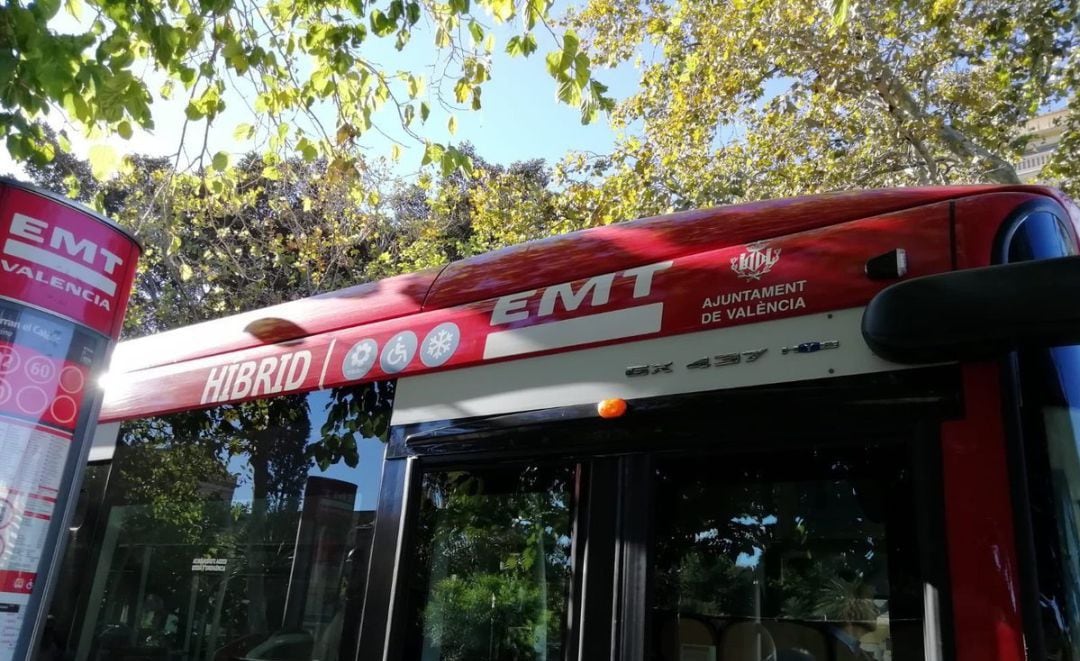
(1050, 412)
(238, 532)
(797, 556)
(493, 554)
(1052, 443)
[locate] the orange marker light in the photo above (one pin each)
(611, 408)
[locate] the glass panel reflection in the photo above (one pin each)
(781, 559)
(494, 554)
(238, 532)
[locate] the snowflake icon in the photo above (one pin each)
(440, 344)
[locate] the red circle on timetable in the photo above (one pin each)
(71, 379)
(40, 369)
(9, 359)
(5, 391)
(7, 512)
(63, 409)
(31, 399)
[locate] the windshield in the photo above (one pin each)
(1050, 410)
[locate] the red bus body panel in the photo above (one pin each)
(824, 242)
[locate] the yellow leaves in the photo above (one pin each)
(104, 161)
(244, 132)
(502, 10)
(942, 9)
(462, 90)
(415, 86)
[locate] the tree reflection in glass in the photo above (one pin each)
(785, 559)
(494, 556)
(210, 512)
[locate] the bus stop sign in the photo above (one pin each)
(65, 277)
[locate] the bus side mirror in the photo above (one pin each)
(976, 314)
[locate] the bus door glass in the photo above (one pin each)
(798, 555)
(493, 556)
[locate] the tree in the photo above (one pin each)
(751, 99)
(287, 61)
(451, 216)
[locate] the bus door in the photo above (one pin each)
(798, 522)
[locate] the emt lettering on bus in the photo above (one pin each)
(514, 307)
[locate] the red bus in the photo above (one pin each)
(825, 428)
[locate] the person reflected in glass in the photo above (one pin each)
(852, 614)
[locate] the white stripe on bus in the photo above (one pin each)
(587, 376)
(614, 325)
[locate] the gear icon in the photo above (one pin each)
(360, 359)
(361, 356)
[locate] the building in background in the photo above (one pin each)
(1046, 131)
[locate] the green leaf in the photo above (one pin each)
(554, 61)
(104, 161)
(433, 152)
(535, 11)
(581, 69)
(308, 149)
(840, 10)
(221, 161)
(124, 129)
(502, 10)
(570, 43)
(45, 9)
(193, 111)
(424, 112)
(451, 125)
(244, 132)
(513, 47)
(185, 272)
(174, 245)
(416, 86)
(381, 24)
(528, 45)
(74, 7)
(476, 31)
(462, 90)
(569, 92)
